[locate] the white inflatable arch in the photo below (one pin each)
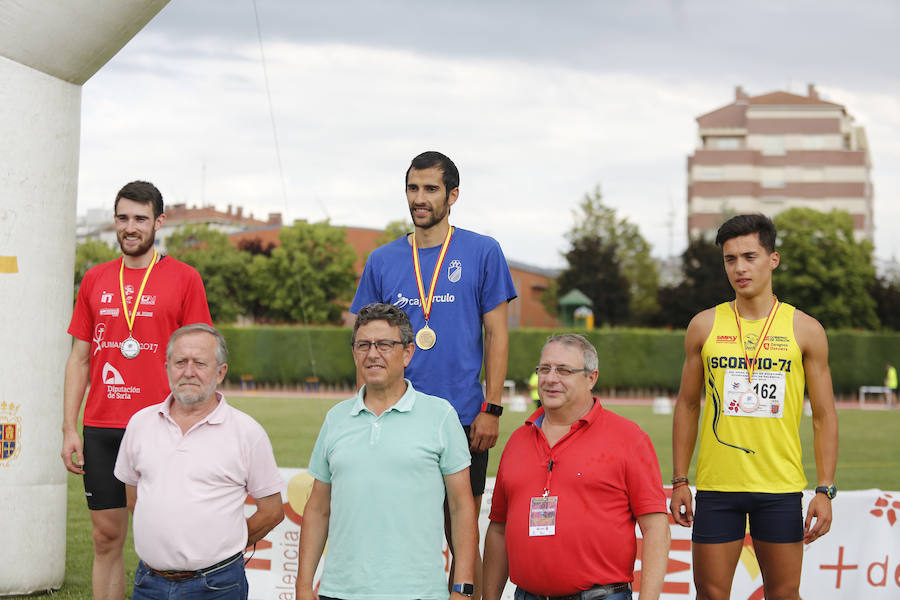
(48, 49)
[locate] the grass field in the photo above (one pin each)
(869, 458)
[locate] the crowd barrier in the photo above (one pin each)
(859, 558)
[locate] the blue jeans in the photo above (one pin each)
(226, 583)
(523, 595)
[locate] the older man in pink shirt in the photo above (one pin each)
(188, 464)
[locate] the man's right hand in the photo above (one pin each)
(682, 506)
(304, 592)
(72, 446)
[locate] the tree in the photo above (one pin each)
(630, 253)
(90, 253)
(886, 293)
(824, 270)
(224, 268)
(594, 270)
(394, 230)
(309, 277)
(256, 246)
(703, 284)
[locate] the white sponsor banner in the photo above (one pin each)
(859, 558)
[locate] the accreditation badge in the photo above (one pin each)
(763, 398)
(542, 516)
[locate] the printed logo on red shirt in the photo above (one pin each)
(99, 330)
(111, 375)
(116, 388)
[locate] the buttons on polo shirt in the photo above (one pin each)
(374, 433)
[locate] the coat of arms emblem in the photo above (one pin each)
(10, 433)
(454, 271)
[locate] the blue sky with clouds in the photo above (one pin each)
(536, 102)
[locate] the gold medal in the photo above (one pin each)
(426, 338)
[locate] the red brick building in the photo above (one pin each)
(179, 215)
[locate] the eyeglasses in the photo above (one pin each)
(383, 346)
(561, 371)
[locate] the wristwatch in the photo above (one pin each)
(829, 490)
(466, 589)
(492, 409)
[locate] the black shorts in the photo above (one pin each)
(478, 468)
(101, 447)
(721, 517)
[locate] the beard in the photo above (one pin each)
(189, 399)
(438, 214)
(141, 249)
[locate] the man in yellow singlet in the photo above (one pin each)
(752, 357)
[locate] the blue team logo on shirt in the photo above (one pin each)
(454, 271)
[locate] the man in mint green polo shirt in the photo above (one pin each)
(382, 466)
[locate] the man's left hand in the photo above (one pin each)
(483, 432)
(820, 508)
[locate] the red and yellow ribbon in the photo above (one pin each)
(137, 301)
(766, 326)
(427, 300)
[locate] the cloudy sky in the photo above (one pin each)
(537, 102)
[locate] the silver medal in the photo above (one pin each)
(130, 348)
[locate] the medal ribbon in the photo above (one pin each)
(130, 318)
(427, 300)
(766, 326)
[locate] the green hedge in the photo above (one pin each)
(857, 358)
(629, 358)
(288, 355)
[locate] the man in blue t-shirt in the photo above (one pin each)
(452, 283)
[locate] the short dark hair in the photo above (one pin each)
(221, 348)
(143, 192)
(740, 225)
(378, 311)
(432, 159)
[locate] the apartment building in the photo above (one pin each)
(778, 151)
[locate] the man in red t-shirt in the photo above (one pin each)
(124, 314)
(572, 483)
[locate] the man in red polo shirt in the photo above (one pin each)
(572, 483)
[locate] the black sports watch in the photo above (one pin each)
(492, 409)
(466, 589)
(829, 490)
